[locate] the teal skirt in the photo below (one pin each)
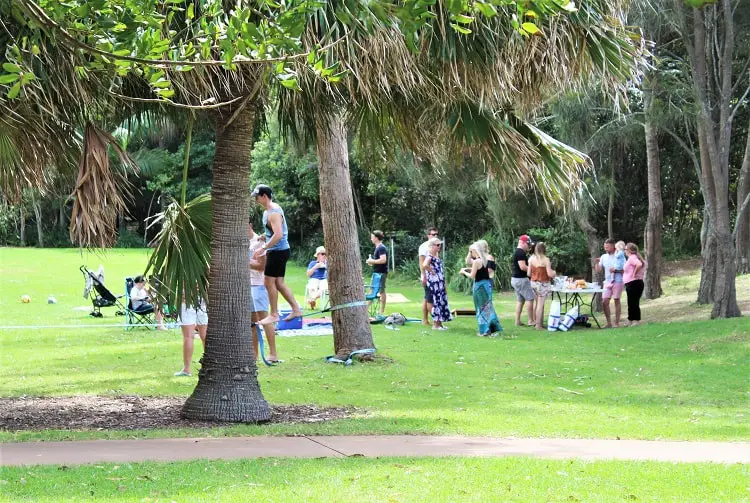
(486, 318)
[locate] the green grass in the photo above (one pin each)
(383, 479)
(682, 381)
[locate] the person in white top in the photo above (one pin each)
(259, 307)
(140, 300)
(424, 252)
(317, 273)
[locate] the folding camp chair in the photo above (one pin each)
(323, 303)
(98, 293)
(143, 316)
(372, 294)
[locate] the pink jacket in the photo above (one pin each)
(629, 273)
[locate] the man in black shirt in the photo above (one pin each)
(379, 262)
(520, 281)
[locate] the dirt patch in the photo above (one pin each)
(682, 267)
(131, 413)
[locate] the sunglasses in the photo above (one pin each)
(432, 234)
(321, 253)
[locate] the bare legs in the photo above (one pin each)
(188, 345)
(540, 311)
(383, 297)
(274, 286)
(618, 311)
(159, 317)
(270, 332)
(529, 312)
(426, 310)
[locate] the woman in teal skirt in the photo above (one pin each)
(482, 270)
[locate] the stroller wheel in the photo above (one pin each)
(96, 315)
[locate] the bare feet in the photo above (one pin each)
(270, 319)
(294, 314)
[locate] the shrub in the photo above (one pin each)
(129, 239)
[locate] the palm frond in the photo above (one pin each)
(182, 252)
(98, 197)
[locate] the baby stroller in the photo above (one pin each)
(98, 293)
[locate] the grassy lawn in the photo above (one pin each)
(383, 479)
(682, 380)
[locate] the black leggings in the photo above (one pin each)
(634, 289)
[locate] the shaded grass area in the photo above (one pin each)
(680, 381)
(383, 479)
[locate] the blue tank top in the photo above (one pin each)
(283, 243)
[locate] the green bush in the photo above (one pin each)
(566, 248)
(129, 239)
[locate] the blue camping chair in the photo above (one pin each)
(143, 316)
(372, 294)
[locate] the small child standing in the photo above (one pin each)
(620, 264)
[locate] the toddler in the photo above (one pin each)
(620, 257)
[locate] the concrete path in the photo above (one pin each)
(178, 449)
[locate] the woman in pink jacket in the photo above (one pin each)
(633, 278)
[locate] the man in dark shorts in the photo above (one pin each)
(424, 250)
(276, 251)
(379, 262)
(519, 280)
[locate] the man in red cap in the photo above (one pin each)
(520, 281)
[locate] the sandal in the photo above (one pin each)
(182, 373)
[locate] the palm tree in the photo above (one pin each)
(457, 97)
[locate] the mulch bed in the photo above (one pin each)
(131, 413)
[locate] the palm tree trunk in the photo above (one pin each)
(742, 234)
(228, 388)
(652, 235)
(351, 326)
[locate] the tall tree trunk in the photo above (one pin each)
(611, 205)
(228, 388)
(351, 326)
(652, 235)
(62, 218)
(718, 134)
(594, 247)
(37, 206)
(742, 225)
(22, 223)
(709, 249)
(707, 287)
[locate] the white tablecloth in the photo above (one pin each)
(578, 290)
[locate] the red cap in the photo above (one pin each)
(524, 238)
